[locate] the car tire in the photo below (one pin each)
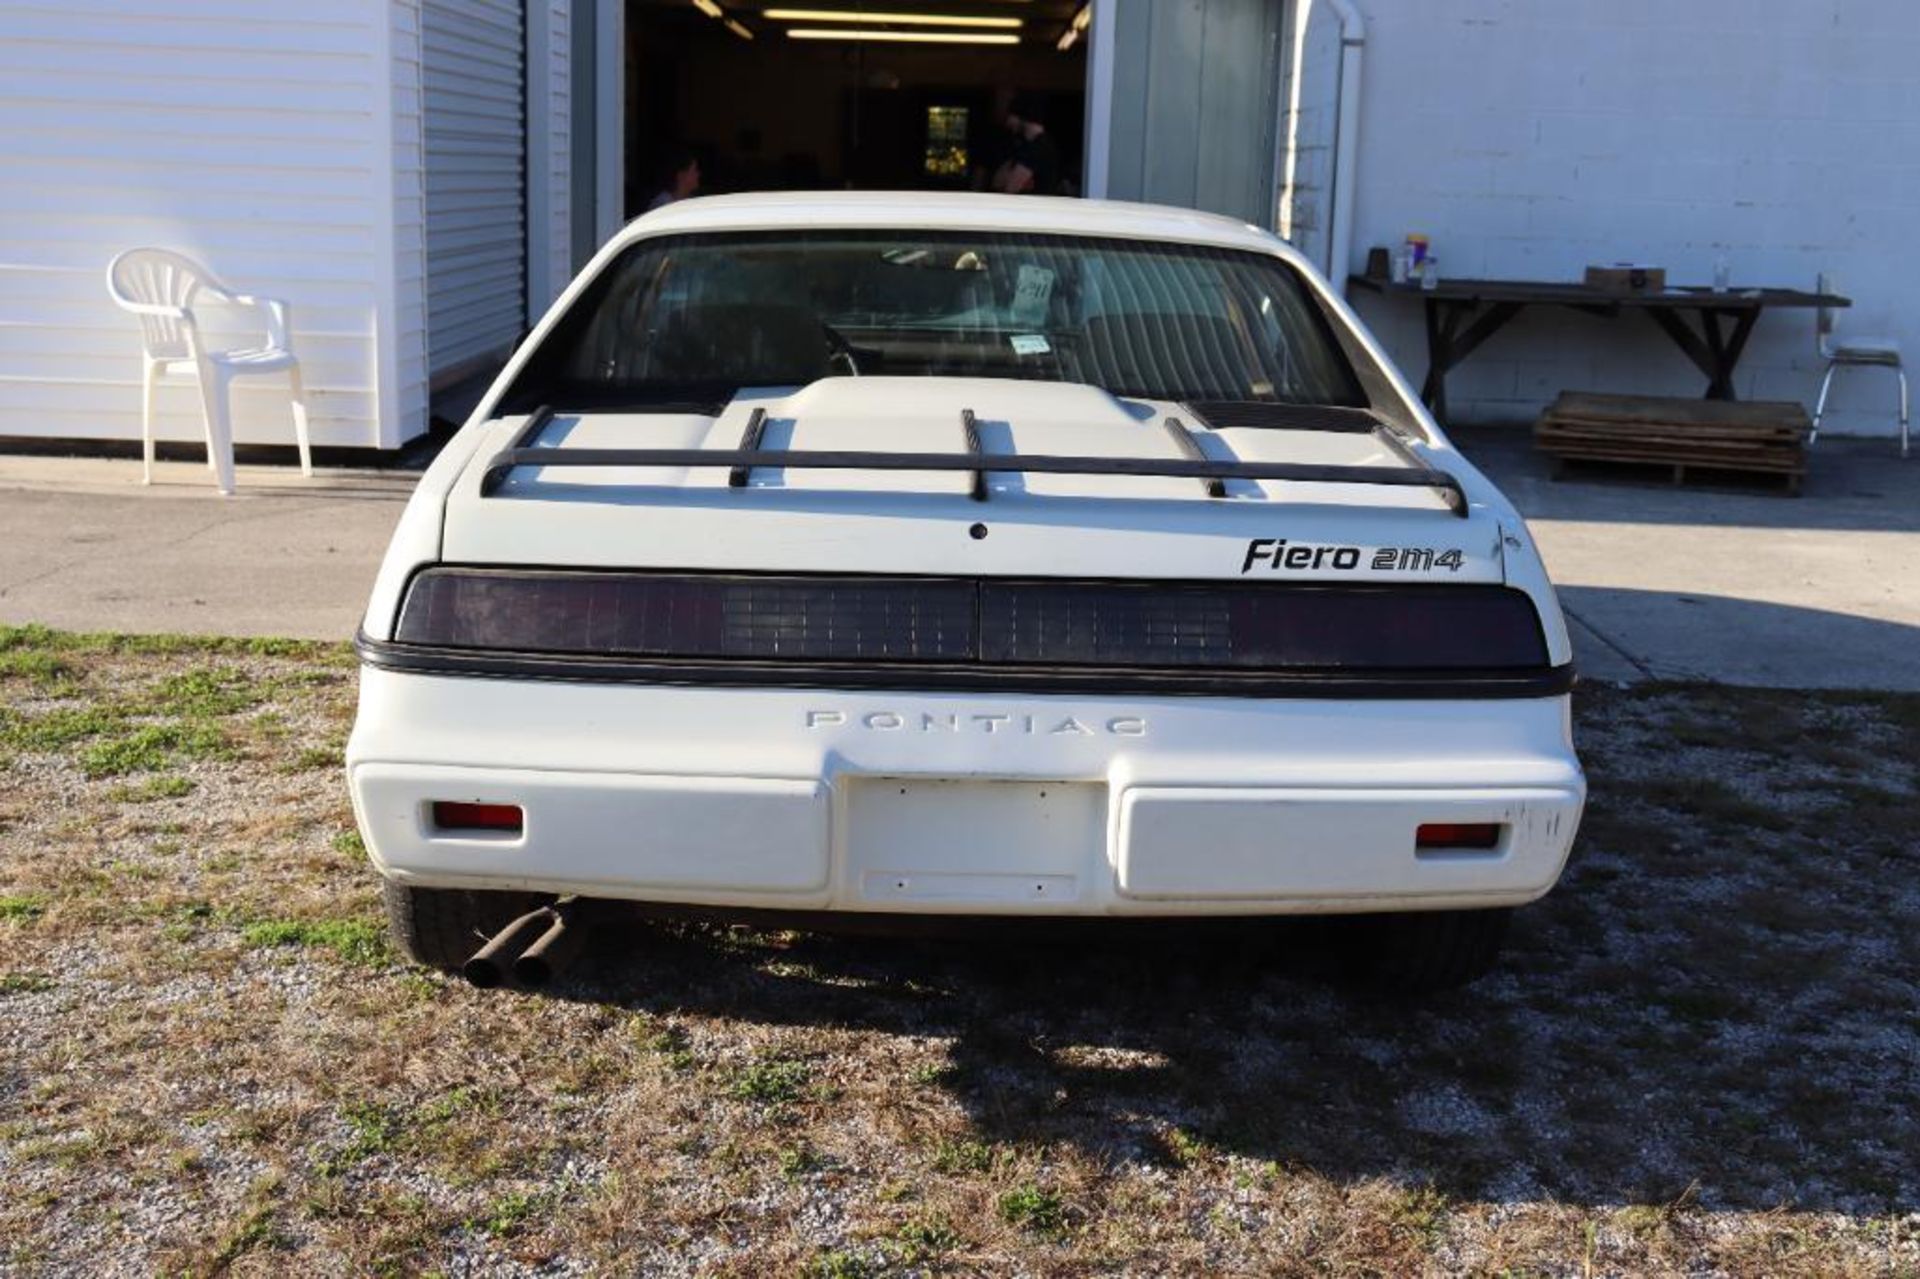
(442, 927)
(1431, 950)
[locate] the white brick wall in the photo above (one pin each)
(1529, 139)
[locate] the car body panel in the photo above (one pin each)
(826, 799)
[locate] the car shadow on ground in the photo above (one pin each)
(1146, 1044)
(1717, 1003)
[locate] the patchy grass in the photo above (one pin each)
(317, 757)
(954, 1158)
(1035, 1209)
(511, 1214)
(772, 1081)
(1697, 1059)
(51, 672)
(253, 1228)
(205, 692)
(924, 1238)
(147, 748)
(357, 941)
(22, 906)
(839, 1263)
(148, 790)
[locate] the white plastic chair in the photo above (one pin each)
(1854, 353)
(161, 287)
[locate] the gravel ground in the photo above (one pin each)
(1700, 1057)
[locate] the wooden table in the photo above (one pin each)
(1461, 314)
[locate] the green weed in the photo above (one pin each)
(772, 1081)
(953, 1157)
(204, 693)
(510, 1214)
(1034, 1209)
(150, 748)
(22, 907)
(838, 1263)
(357, 941)
(170, 786)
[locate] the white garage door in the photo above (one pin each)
(473, 53)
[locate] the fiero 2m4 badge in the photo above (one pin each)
(1278, 553)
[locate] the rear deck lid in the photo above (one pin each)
(1002, 518)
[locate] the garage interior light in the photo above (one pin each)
(905, 37)
(712, 9)
(1076, 28)
(890, 19)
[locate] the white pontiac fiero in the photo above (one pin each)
(960, 555)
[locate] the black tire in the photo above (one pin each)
(1430, 950)
(442, 927)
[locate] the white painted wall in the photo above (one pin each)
(257, 137)
(1530, 139)
(1310, 77)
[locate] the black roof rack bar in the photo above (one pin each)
(978, 490)
(529, 432)
(1411, 476)
(1213, 484)
(749, 443)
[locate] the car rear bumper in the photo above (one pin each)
(801, 799)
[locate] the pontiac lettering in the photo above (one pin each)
(1001, 723)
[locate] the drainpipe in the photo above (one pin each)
(1353, 38)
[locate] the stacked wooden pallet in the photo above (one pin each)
(1683, 436)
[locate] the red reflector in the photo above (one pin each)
(1458, 835)
(451, 816)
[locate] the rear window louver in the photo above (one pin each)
(1264, 415)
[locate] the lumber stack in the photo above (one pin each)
(1766, 437)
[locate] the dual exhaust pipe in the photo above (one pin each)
(532, 949)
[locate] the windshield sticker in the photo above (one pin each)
(1029, 344)
(1031, 293)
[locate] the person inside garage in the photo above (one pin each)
(1032, 167)
(680, 179)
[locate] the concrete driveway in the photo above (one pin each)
(83, 546)
(1820, 591)
(1740, 586)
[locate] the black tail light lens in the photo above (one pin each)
(1258, 627)
(988, 622)
(660, 615)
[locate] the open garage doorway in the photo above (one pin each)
(894, 95)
